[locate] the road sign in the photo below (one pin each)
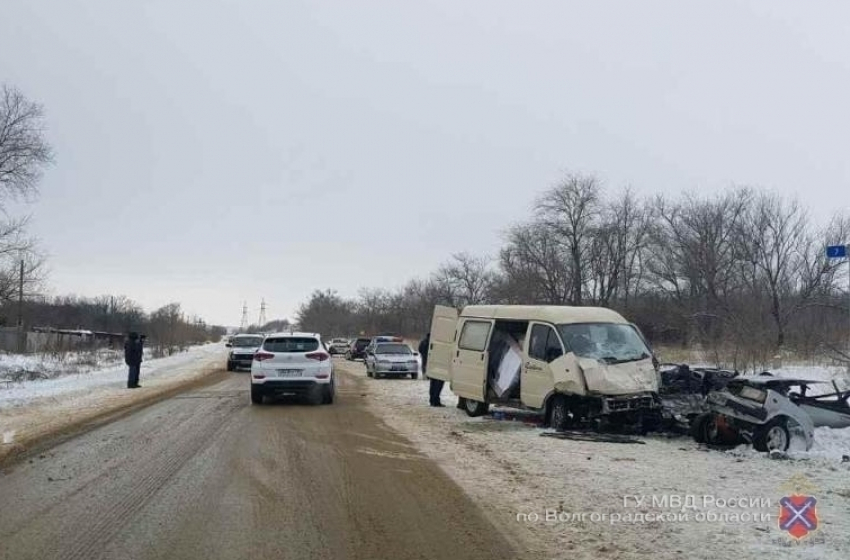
(836, 251)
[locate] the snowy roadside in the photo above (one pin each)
(31, 410)
(519, 478)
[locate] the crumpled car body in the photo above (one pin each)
(756, 410)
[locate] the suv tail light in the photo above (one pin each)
(260, 356)
(320, 356)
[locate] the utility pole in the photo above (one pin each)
(839, 252)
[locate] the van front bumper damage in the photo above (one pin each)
(642, 412)
(630, 403)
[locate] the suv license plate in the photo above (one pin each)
(289, 372)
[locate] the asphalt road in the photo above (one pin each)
(206, 475)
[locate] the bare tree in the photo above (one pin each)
(774, 245)
(618, 248)
(17, 247)
(327, 313)
(535, 266)
(23, 149)
(571, 209)
(23, 154)
(465, 280)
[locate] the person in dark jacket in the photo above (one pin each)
(436, 386)
(133, 349)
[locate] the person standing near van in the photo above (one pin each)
(436, 385)
(133, 349)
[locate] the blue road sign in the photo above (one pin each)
(836, 251)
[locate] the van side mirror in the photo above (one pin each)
(228, 345)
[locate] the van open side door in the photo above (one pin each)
(471, 358)
(441, 350)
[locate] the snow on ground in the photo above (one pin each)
(31, 410)
(515, 474)
(25, 367)
(76, 379)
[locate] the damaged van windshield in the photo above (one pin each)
(611, 343)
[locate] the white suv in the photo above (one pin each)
(292, 364)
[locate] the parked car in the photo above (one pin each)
(395, 359)
(357, 349)
(292, 364)
(338, 346)
(754, 410)
(242, 348)
(574, 364)
(375, 340)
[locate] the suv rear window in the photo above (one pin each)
(291, 344)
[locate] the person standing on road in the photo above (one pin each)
(436, 386)
(133, 349)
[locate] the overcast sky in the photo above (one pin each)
(213, 152)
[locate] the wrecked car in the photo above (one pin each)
(756, 410)
(831, 410)
(683, 390)
(573, 364)
(684, 379)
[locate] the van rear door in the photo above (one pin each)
(441, 350)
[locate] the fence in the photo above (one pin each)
(19, 341)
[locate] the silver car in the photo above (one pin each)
(338, 346)
(391, 359)
(242, 349)
(754, 410)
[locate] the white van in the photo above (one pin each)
(574, 364)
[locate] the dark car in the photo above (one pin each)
(357, 349)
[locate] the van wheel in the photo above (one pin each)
(773, 437)
(559, 413)
(414, 376)
(256, 395)
(230, 366)
(475, 408)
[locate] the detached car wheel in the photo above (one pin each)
(773, 437)
(256, 395)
